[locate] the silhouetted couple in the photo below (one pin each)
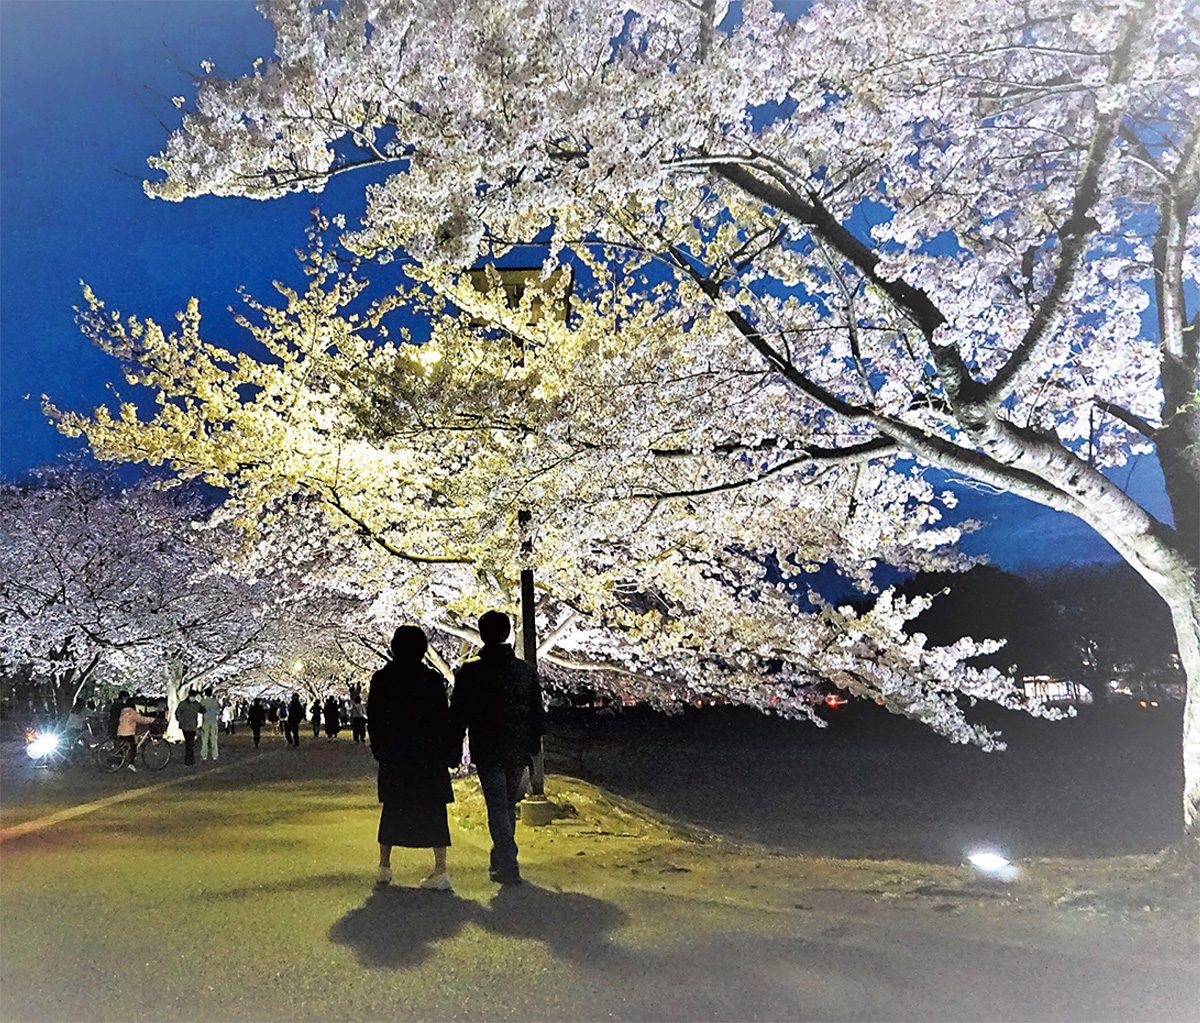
(417, 736)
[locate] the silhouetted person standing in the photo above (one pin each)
(333, 719)
(187, 713)
(497, 701)
(256, 718)
(410, 737)
(295, 715)
(316, 717)
(114, 712)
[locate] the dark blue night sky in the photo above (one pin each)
(83, 86)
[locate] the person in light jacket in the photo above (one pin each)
(358, 719)
(210, 724)
(127, 729)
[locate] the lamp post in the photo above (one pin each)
(537, 775)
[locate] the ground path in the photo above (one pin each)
(246, 894)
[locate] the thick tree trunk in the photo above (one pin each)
(174, 674)
(1186, 614)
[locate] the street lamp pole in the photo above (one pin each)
(537, 776)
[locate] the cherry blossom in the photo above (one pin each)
(926, 228)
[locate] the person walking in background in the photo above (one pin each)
(187, 713)
(410, 737)
(114, 712)
(256, 718)
(358, 719)
(498, 701)
(333, 719)
(284, 726)
(227, 718)
(316, 717)
(127, 728)
(209, 724)
(295, 714)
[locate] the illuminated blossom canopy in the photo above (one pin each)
(883, 227)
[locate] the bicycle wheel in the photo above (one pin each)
(110, 755)
(80, 752)
(156, 753)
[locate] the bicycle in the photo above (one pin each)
(62, 746)
(81, 747)
(113, 754)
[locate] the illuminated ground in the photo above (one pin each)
(246, 894)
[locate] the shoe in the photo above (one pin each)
(385, 876)
(131, 767)
(438, 882)
(505, 877)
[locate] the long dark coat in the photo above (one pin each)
(409, 722)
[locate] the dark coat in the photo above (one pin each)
(257, 716)
(410, 732)
(498, 700)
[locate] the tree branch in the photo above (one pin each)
(1080, 226)
(334, 501)
(1128, 418)
(852, 454)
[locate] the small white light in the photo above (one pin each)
(993, 864)
(43, 745)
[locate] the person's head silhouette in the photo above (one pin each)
(409, 643)
(494, 627)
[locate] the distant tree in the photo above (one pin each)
(1115, 624)
(93, 576)
(1040, 635)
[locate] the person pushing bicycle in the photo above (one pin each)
(127, 729)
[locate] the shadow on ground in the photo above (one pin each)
(396, 928)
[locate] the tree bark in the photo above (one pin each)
(1186, 614)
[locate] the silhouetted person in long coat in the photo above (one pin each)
(256, 718)
(409, 722)
(316, 717)
(333, 718)
(498, 701)
(295, 715)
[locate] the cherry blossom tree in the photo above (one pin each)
(394, 474)
(961, 232)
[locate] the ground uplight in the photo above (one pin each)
(993, 864)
